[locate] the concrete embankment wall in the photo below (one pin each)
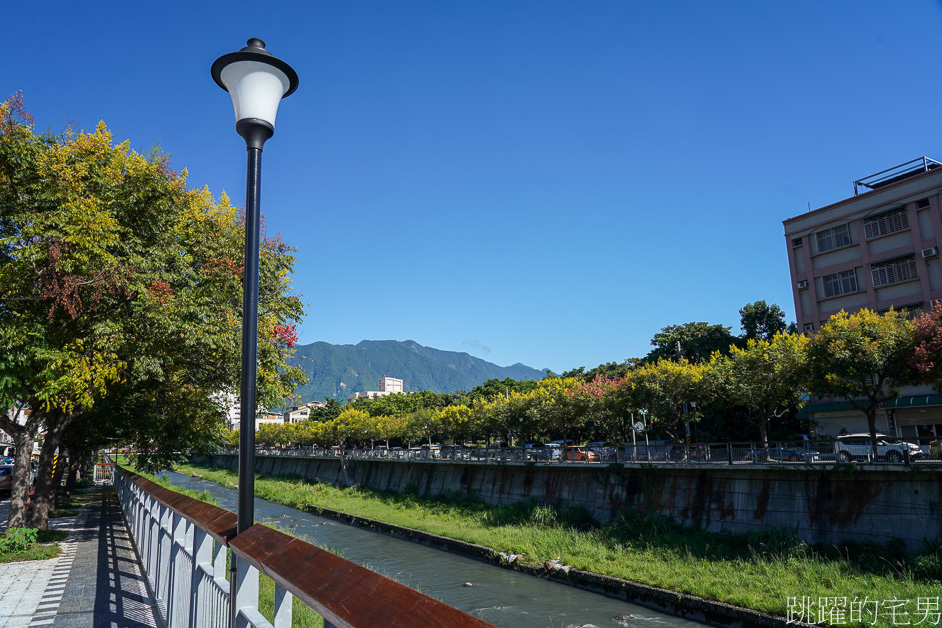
(824, 505)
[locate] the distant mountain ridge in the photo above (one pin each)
(336, 371)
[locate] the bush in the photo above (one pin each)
(777, 542)
(16, 540)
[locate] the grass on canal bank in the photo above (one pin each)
(760, 571)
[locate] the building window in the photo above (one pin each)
(833, 238)
(840, 283)
(922, 203)
(894, 270)
(796, 242)
(886, 223)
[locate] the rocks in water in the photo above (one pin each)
(467, 584)
(509, 559)
(555, 565)
(195, 475)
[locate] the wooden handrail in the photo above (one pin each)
(218, 522)
(344, 593)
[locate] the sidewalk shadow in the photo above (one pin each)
(122, 597)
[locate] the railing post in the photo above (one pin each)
(221, 606)
(283, 602)
(164, 545)
(176, 595)
(153, 540)
(245, 590)
(202, 560)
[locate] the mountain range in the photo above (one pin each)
(337, 371)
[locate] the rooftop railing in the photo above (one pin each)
(183, 547)
(896, 173)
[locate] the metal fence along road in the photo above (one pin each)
(183, 545)
(795, 452)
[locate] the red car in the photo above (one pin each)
(579, 454)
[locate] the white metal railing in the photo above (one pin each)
(104, 473)
(184, 561)
(183, 544)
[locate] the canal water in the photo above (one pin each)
(500, 596)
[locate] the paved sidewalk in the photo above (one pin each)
(96, 581)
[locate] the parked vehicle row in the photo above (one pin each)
(851, 448)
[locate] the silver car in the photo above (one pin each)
(851, 447)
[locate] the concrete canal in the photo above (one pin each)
(500, 596)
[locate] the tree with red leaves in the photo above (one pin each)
(927, 356)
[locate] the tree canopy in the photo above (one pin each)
(120, 299)
(694, 342)
(862, 358)
(760, 320)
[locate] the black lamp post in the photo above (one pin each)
(257, 82)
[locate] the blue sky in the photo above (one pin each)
(545, 182)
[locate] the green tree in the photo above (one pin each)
(694, 342)
(328, 412)
(760, 320)
(862, 358)
(120, 300)
(767, 377)
(666, 389)
(495, 387)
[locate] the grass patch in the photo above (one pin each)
(760, 571)
(41, 545)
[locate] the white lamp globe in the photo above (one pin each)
(256, 80)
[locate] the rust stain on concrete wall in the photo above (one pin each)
(840, 501)
(762, 499)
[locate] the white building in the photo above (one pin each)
(229, 402)
(387, 386)
(302, 412)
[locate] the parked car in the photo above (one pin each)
(852, 447)
(784, 454)
(576, 453)
(6, 479)
(606, 450)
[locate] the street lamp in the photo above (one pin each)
(257, 81)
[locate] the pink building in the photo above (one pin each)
(877, 249)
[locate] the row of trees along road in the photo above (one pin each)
(120, 305)
(741, 387)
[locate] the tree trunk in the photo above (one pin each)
(45, 491)
(23, 435)
(74, 463)
(19, 495)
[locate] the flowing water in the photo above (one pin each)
(500, 596)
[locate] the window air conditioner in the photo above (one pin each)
(930, 252)
(809, 327)
(802, 285)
